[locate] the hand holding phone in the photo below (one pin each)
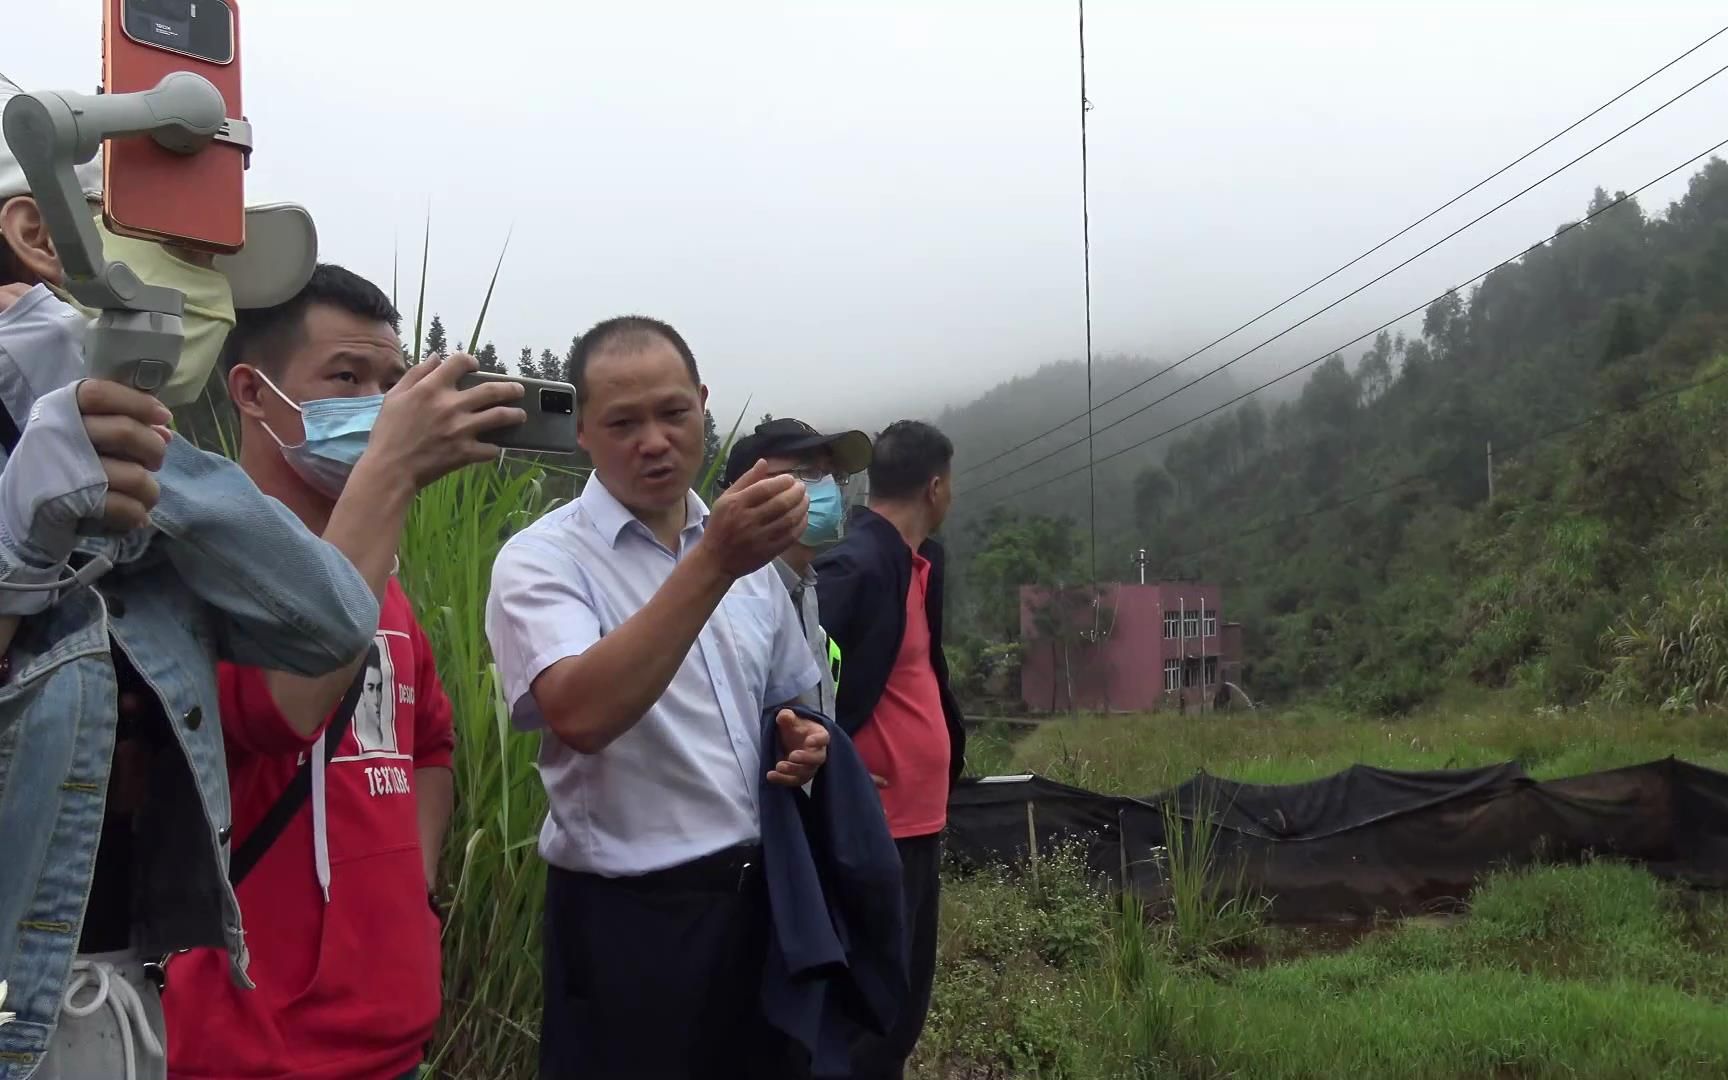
(549, 422)
(429, 426)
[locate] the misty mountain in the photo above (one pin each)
(1532, 492)
(1023, 443)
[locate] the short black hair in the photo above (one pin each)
(263, 336)
(629, 332)
(908, 454)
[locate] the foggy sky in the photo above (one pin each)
(874, 208)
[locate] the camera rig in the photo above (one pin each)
(137, 336)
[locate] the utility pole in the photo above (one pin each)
(1140, 561)
(1490, 471)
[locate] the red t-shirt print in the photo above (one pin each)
(348, 988)
(906, 741)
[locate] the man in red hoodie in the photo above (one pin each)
(344, 941)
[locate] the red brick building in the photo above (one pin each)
(1139, 648)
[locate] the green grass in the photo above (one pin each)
(1142, 755)
(1597, 970)
(1587, 971)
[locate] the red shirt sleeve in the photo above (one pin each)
(434, 733)
(251, 722)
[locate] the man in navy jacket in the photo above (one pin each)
(880, 592)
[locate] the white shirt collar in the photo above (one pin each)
(612, 517)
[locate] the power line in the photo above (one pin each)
(1086, 255)
(1360, 337)
(1363, 287)
(1428, 474)
(1401, 232)
(1124, 418)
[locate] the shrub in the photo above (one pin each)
(1675, 654)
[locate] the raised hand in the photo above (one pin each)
(757, 518)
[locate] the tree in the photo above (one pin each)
(550, 365)
(525, 362)
(1153, 493)
(1219, 440)
(1445, 327)
(569, 364)
(1417, 359)
(1251, 427)
(1033, 550)
(1374, 373)
(710, 442)
(1626, 333)
(1186, 462)
(436, 343)
(1329, 397)
(488, 357)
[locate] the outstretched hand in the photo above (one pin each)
(805, 744)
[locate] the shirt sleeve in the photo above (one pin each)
(794, 672)
(251, 722)
(538, 612)
(434, 732)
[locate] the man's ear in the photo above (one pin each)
(245, 389)
(26, 233)
(702, 392)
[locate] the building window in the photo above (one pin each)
(1191, 625)
(1211, 671)
(1191, 673)
(1211, 626)
(1172, 623)
(1172, 675)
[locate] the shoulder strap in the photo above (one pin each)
(299, 789)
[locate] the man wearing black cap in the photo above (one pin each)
(825, 463)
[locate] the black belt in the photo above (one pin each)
(730, 870)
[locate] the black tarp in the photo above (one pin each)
(1364, 841)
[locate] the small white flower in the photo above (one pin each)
(5, 1017)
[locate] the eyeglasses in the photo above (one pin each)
(815, 474)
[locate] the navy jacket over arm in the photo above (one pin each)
(836, 964)
(861, 586)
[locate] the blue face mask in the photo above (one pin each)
(337, 431)
(827, 510)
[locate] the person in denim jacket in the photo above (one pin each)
(114, 808)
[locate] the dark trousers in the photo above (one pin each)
(659, 977)
(884, 1058)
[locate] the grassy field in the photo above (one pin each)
(1582, 971)
(1591, 971)
(1574, 971)
(1139, 755)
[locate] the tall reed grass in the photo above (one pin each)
(491, 877)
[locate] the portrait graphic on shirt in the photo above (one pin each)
(375, 713)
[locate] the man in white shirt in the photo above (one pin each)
(645, 637)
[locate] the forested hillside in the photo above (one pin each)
(1026, 415)
(1352, 524)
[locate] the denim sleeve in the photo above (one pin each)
(51, 483)
(284, 598)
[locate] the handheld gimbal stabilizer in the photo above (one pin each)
(137, 337)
